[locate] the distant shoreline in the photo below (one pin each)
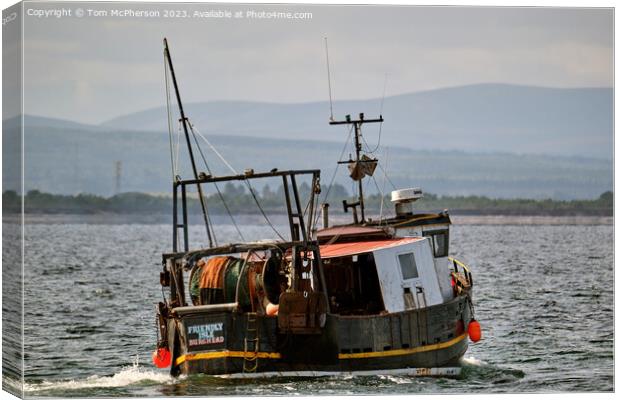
(530, 220)
(135, 207)
(457, 219)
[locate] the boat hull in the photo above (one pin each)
(416, 342)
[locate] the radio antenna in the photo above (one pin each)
(329, 83)
(383, 97)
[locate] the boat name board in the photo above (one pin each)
(205, 334)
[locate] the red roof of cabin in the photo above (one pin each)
(352, 248)
(345, 230)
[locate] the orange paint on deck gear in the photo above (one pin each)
(212, 276)
(272, 309)
(474, 330)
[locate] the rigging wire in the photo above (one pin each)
(176, 163)
(191, 127)
(167, 80)
(316, 206)
(387, 154)
(377, 186)
(308, 203)
(208, 221)
(386, 175)
(380, 113)
(311, 221)
(246, 181)
(331, 182)
(215, 151)
(379, 165)
(173, 161)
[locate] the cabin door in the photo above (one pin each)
(413, 289)
(419, 278)
(407, 276)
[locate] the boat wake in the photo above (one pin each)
(472, 361)
(475, 369)
(127, 376)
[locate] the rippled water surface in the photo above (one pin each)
(543, 295)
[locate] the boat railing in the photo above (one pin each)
(205, 308)
(301, 223)
(466, 273)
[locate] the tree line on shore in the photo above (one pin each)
(239, 200)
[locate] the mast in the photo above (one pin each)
(189, 145)
(357, 123)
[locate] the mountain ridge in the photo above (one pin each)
(483, 117)
(111, 121)
(70, 161)
(536, 149)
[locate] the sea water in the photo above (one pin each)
(543, 295)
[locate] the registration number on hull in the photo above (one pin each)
(436, 371)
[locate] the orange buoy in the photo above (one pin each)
(272, 309)
(475, 333)
(161, 358)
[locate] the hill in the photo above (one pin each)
(70, 160)
(474, 118)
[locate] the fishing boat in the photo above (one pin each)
(358, 299)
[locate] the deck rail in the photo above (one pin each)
(466, 271)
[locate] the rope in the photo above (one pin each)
(471, 307)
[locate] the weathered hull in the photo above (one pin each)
(223, 343)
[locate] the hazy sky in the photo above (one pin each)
(91, 69)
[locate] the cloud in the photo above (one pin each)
(107, 67)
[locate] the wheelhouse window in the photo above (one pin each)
(408, 266)
(439, 240)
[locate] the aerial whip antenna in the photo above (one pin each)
(383, 97)
(329, 83)
(380, 115)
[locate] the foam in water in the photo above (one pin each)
(396, 379)
(472, 361)
(127, 376)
